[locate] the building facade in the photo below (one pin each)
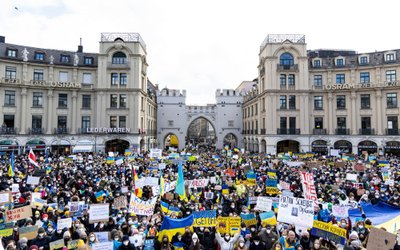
(316, 100)
(179, 120)
(76, 101)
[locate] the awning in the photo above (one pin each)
(83, 149)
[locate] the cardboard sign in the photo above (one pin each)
(146, 181)
(57, 244)
(120, 202)
(329, 232)
(340, 164)
(307, 181)
(72, 244)
(296, 211)
(124, 190)
(284, 185)
(380, 239)
(5, 197)
(15, 188)
(99, 212)
(141, 207)
(228, 225)
(33, 180)
(359, 167)
(28, 232)
(64, 223)
(18, 213)
(263, 204)
(102, 236)
(207, 218)
(198, 183)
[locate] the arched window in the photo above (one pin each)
(286, 59)
(119, 58)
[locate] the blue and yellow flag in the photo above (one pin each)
(268, 218)
(162, 185)
(170, 226)
(110, 160)
(11, 170)
(164, 206)
(180, 184)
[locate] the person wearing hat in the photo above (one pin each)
(41, 239)
(257, 244)
(126, 244)
(268, 236)
(23, 244)
(241, 245)
(195, 243)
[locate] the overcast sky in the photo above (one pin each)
(202, 45)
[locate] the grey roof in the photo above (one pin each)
(48, 53)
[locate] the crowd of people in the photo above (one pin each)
(80, 179)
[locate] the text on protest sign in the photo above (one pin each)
(120, 202)
(103, 246)
(207, 218)
(307, 181)
(198, 183)
(263, 204)
(64, 223)
(228, 224)
(296, 211)
(155, 153)
(5, 197)
(98, 212)
(140, 207)
(329, 232)
(33, 180)
(18, 213)
(57, 244)
(28, 232)
(340, 211)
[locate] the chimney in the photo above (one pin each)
(2, 39)
(80, 47)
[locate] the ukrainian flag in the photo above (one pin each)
(162, 186)
(99, 195)
(383, 163)
(268, 218)
(164, 206)
(11, 170)
(172, 209)
(128, 152)
(110, 160)
(170, 226)
(180, 184)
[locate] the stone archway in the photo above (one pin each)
(171, 140)
(230, 140)
(369, 146)
(201, 132)
(263, 146)
(344, 146)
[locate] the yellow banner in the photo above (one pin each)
(330, 228)
(228, 224)
(272, 190)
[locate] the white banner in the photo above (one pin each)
(155, 153)
(297, 211)
(263, 204)
(146, 181)
(119, 162)
(140, 207)
(340, 211)
(199, 183)
(99, 212)
(294, 163)
(33, 180)
(284, 185)
(64, 223)
(351, 177)
(307, 181)
(109, 245)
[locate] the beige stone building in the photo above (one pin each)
(315, 100)
(73, 101)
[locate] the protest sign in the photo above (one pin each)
(249, 219)
(252, 200)
(271, 182)
(120, 202)
(359, 167)
(209, 195)
(15, 188)
(284, 185)
(340, 211)
(102, 236)
(335, 152)
(268, 218)
(18, 213)
(119, 161)
(213, 180)
(72, 244)
(6, 229)
(155, 153)
(228, 225)
(32, 180)
(307, 180)
(263, 204)
(207, 218)
(198, 183)
(169, 196)
(339, 164)
(251, 178)
(296, 211)
(28, 232)
(329, 232)
(295, 163)
(351, 177)
(98, 212)
(64, 223)
(380, 239)
(57, 244)
(148, 244)
(137, 240)
(146, 181)
(38, 203)
(271, 190)
(5, 197)
(169, 186)
(74, 206)
(103, 246)
(162, 166)
(141, 207)
(124, 190)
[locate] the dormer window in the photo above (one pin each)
(11, 52)
(64, 59)
(39, 56)
(88, 60)
(390, 57)
(363, 60)
(339, 62)
(119, 58)
(317, 63)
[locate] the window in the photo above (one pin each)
(38, 75)
(365, 122)
(37, 99)
(87, 78)
(389, 57)
(36, 121)
(341, 122)
(63, 76)
(291, 80)
(119, 58)
(292, 122)
(363, 60)
(11, 72)
(230, 123)
(122, 121)
(340, 78)
(283, 122)
(9, 98)
(88, 60)
(113, 121)
(364, 77)
(9, 121)
(11, 52)
(39, 56)
(282, 102)
(86, 100)
(85, 122)
(341, 102)
(286, 59)
(123, 79)
(318, 123)
(122, 101)
(282, 79)
(317, 63)
(114, 101)
(292, 102)
(62, 122)
(62, 100)
(391, 100)
(393, 123)
(114, 78)
(390, 75)
(340, 62)
(170, 123)
(318, 80)
(318, 102)
(64, 58)
(365, 101)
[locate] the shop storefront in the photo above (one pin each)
(392, 148)
(320, 147)
(367, 146)
(7, 146)
(37, 145)
(344, 146)
(62, 147)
